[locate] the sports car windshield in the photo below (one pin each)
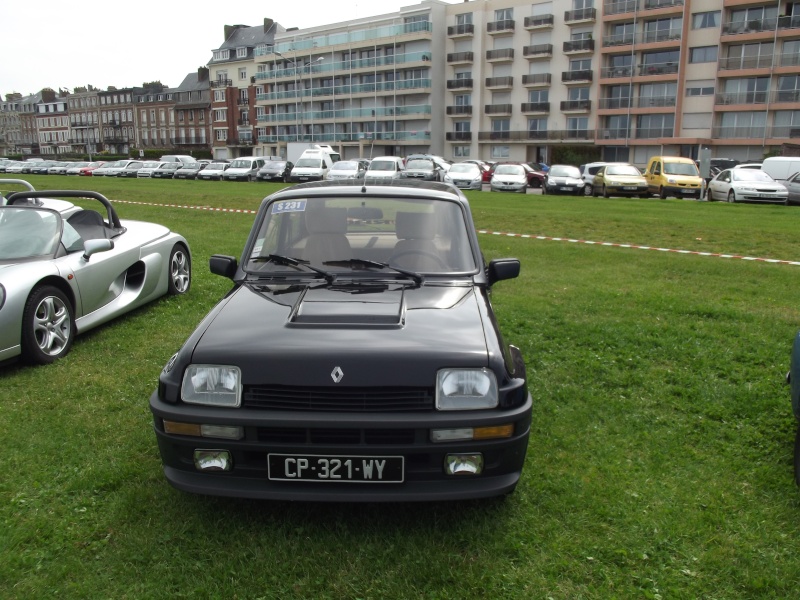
(339, 234)
(27, 232)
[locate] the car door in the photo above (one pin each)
(793, 185)
(720, 185)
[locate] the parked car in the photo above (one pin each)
(619, 179)
(508, 177)
(106, 168)
(9, 163)
(464, 175)
(147, 169)
(347, 169)
(41, 168)
(15, 168)
(423, 168)
(673, 176)
(781, 167)
(189, 170)
(180, 158)
(60, 168)
(746, 185)
(589, 170)
(213, 171)
(89, 169)
(563, 179)
(75, 168)
(539, 166)
(166, 170)
(275, 170)
(131, 169)
(386, 167)
(374, 369)
(243, 169)
(54, 282)
(793, 188)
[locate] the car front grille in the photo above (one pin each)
(338, 399)
(326, 436)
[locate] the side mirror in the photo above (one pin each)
(223, 265)
(503, 268)
(92, 246)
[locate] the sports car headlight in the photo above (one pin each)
(212, 385)
(465, 389)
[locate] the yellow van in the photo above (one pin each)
(673, 176)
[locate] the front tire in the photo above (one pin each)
(180, 270)
(731, 197)
(709, 195)
(48, 326)
(605, 192)
(662, 194)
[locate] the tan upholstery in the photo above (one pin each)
(415, 249)
(326, 235)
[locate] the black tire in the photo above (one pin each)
(731, 197)
(662, 194)
(180, 271)
(605, 192)
(48, 326)
(797, 456)
(709, 195)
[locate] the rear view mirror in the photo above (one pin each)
(503, 268)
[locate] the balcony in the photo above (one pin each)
(790, 59)
(761, 25)
(612, 72)
(458, 136)
(576, 105)
(500, 55)
(460, 57)
(526, 136)
(658, 69)
(745, 62)
(243, 101)
(497, 109)
(578, 46)
(662, 35)
(500, 27)
(535, 107)
(583, 15)
(576, 76)
(655, 101)
(459, 84)
(496, 83)
(240, 141)
(243, 122)
(539, 22)
(465, 30)
(785, 96)
(653, 4)
(615, 103)
(742, 98)
(538, 51)
(618, 39)
(619, 7)
(745, 131)
(221, 83)
(459, 110)
(614, 133)
(653, 133)
(537, 79)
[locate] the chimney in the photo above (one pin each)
(202, 74)
(268, 23)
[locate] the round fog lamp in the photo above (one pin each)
(463, 464)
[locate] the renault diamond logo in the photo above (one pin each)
(337, 375)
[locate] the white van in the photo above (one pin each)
(244, 168)
(780, 168)
(181, 158)
(386, 167)
(313, 164)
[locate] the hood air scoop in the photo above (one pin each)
(346, 307)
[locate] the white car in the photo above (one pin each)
(465, 175)
(386, 167)
(509, 178)
(746, 185)
(147, 170)
(347, 169)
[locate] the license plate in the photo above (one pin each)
(303, 178)
(629, 188)
(312, 467)
(567, 189)
(689, 191)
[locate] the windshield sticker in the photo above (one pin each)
(289, 206)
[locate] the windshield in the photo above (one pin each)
(565, 171)
(382, 165)
(465, 168)
(27, 232)
(312, 163)
(345, 165)
(419, 235)
(623, 170)
(419, 164)
(750, 175)
(680, 168)
(241, 164)
(509, 170)
(216, 166)
(272, 164)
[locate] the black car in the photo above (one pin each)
(189, 170)
(166, 170)
(357, 357)
(275, 170)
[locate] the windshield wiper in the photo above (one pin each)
(294, 262)
(361, 262)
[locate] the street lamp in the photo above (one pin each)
(298, 84)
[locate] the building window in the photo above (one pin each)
(242, 73)
(703, 54)
(220, 115)
(499, 152)
(241, 53)
(705, 20)
(221, 134)
(461, 151)
(464, 19)
(221, 54)
(219, 95)
(504, 14)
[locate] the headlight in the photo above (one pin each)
(465, 389)
(671, 180)
(747, 188)
(212, 385)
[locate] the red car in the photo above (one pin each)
(92, 166)
(535, 178)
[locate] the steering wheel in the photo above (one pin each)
(437, 259)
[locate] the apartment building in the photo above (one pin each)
(10, 134)
(192, 109)
(368, 87)
(84, 118)
(117, 126)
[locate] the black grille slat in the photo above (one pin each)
(331, 436)
(338, 399)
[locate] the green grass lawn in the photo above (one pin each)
(660, 459)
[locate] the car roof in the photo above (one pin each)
(392, 187)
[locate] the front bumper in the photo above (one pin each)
(343, 434)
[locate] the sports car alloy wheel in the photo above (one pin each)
(180, 271)
(47, 326)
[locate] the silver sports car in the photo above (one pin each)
(65, 269)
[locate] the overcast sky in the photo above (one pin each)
(57, 44)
